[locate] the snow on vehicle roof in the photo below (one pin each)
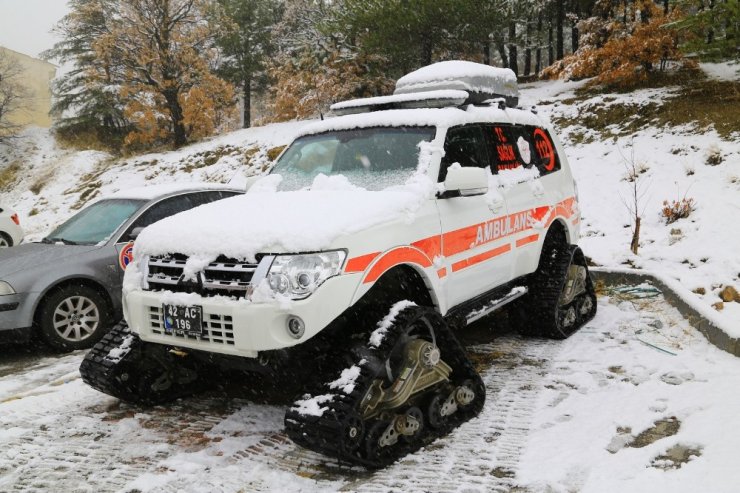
(152, 192)
(458, 74)
(402, 98)
(431, 117)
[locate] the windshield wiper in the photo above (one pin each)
(59, 240)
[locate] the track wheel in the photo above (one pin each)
(124, 366)
(403, 385)
(561, 297)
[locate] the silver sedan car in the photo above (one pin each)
(67, 287)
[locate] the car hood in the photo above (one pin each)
(276, 222)
(30, 256)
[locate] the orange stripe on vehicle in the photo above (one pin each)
(359, 264)
(559, 211)
(402, 255)
(442, 273)
(432, 246)
(527, 240)
(480, 257)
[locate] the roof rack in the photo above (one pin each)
(440, 85)
(425, 99)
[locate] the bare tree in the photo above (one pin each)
(637, 190)
(13, 96)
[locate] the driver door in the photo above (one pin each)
(474, 250)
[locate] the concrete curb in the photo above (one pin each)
(710, 323)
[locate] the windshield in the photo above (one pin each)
(371, 158)
(96, 223)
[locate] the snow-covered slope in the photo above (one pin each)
(700, 251)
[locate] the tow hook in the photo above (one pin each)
(178, 352)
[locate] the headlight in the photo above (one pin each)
(297, 276)
(6, 289)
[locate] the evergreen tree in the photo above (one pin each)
(246, 44)
(87, 97)
(715, 25)
(411, 33)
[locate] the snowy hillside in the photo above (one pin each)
(52, 183)
(674, 162)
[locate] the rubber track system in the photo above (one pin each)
(341, 433)
(541, 313)
(120, 365)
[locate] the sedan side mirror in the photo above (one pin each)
(465, 182)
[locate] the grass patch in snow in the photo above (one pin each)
(9, 175)
(697, 101)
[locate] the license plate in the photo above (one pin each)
(183, 320)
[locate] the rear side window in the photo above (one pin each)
(513, 146)
(465, 145)
(200, 198)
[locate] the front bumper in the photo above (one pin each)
(243, 328)
(16, 311)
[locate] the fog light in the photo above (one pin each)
(296, 327)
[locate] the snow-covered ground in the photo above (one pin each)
(636, 401)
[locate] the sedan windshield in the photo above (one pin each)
(371, 158)
(96, 223)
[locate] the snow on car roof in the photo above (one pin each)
(152, 192)
(431, 117)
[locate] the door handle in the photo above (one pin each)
(495, 206)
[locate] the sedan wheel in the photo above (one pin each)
(76, 318)
(4, 242)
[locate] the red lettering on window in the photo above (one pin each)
(543, 145)
(505, 153)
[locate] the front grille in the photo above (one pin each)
(225, 277)
(217, 329)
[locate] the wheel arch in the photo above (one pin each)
(405, 281)
(557, 232)
(560, 226)
(8, 238)
(70, 281)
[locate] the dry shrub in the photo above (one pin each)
(677, 209)
(9, 175)
(625, 55)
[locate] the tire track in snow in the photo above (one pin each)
(54, 455)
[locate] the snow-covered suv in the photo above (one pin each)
(377, 232)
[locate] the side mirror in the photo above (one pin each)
(135, 233)
(251, 181)
(465, 182)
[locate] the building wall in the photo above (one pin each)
(37, 76)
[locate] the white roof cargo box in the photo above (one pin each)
(481, 82)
